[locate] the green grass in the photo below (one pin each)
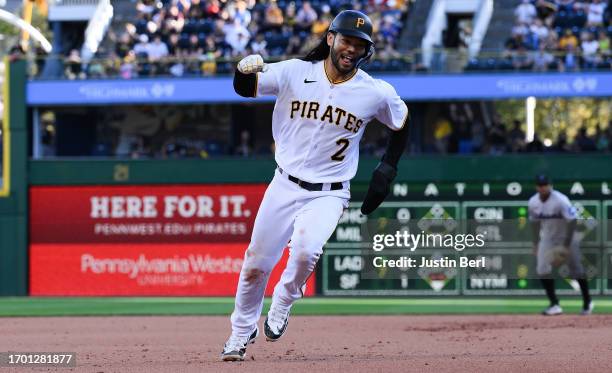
(51, 306)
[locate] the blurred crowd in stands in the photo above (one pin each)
(563, 35)
(203, 37)
(460, 131)
(451, 136)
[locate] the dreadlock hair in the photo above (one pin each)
(318, 53)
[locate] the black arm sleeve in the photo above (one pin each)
(396, 145)
(245, 84)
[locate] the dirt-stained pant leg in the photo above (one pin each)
(314, 224)
(271, 232)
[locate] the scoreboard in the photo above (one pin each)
(510, 264)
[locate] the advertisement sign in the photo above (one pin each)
(409, 87)
(133, 214)
(141, 269)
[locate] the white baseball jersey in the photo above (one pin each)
(553, 215)
(317, 125)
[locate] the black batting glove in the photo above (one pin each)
(380, 186)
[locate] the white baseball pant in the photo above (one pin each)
(287, 212)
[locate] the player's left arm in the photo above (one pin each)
(393, 112)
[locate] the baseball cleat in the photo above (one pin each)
(588, 310)
(275, 325)
(553, 310)
(235, 347)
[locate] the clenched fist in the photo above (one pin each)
(252, 64)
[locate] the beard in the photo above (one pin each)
(336, 61)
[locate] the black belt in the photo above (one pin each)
(312, 187)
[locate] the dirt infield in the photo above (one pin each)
(351, 344)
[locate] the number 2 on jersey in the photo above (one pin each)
(338, 156)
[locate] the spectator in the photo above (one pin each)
(608, 134)
(442, 135)
(478, 136)
(96, 68)
(258, 46)
(552, 41)
(602, 140)
(241, 14)
(521, 59)
(595, 13)
(516, 137)
(321, 24)
(496, 139)
(565, 5)
(145, 6)
(141, 49)
(274, 17)
(604, 43)
(520, 29)
(569, 61)
(539, 29)
(525, 12)
(535, 146)
(173, 47)
(74, 66)
(123, 46)
(568, 39)
(209, 64)
(589, 47)
(237, 37)
(542, 59)
(211, 47)
(128, 66)
(583, 143)
(293, 46)
(244, 148)
(388, 29)
(157, 50)
(462, 137)
(305, 17)
(290, 14)
(177, 69)
(546, 10)
(212, 9)
(561, 146)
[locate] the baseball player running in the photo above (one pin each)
(323, 104)
(556, 241)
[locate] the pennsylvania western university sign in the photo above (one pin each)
(409, 87)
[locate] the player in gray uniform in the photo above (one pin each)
(555, 240)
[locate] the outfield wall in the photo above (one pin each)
(138, 227)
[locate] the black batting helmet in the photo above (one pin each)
(354, 23)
